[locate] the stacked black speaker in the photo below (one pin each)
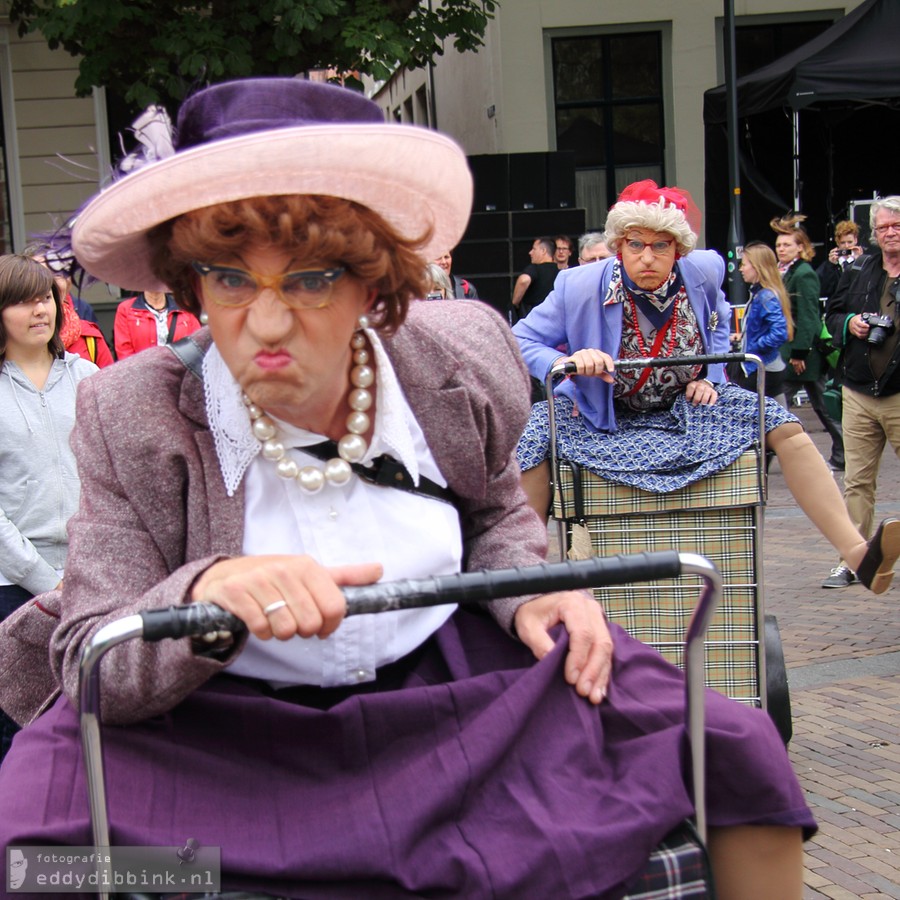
(518, 197)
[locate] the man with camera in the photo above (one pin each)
(863, 318)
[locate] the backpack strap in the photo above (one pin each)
(91, 343)
(190, 353)
(172, 326)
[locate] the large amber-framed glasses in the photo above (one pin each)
(234, 288)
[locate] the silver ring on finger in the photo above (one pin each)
(274, 607)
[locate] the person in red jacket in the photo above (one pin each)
(149, 319)
(84, 337)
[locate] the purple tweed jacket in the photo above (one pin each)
(154, 513)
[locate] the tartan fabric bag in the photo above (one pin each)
(714, 517)
(678, 869)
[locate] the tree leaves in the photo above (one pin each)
(150, 51)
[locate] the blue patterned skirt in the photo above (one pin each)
(657, 451)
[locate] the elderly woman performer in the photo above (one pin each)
(426, 751)
(659, 429)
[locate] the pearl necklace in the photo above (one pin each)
(352, 446)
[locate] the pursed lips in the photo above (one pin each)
(277, 359)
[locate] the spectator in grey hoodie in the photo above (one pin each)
(39, 488)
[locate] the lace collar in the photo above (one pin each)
(783, 267)
(236, 447)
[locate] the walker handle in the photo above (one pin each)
(195, 619)
(188, 620)
(477, 587)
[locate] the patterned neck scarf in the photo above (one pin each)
(656, 305)
(783, 267)
(70, 330)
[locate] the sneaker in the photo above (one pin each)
(840, 577)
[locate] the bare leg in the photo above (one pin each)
(754, 861)
(536, 484)
(809, 479)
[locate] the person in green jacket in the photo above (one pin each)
(806, 367)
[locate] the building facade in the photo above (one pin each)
(620, 83)
(617, 84)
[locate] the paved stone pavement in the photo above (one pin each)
(842, 650)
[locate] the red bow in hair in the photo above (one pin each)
(647, 191)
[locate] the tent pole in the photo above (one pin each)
(736, 288)
(795, 121)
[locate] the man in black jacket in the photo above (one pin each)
(863, 318)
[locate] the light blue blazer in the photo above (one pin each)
(573, 315)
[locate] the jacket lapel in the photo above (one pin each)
(429, 374)
(694, 280)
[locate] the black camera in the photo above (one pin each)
(880, 327)
(845, 251)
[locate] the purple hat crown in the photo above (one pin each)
(237, 108)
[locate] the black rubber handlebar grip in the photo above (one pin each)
(474, 587)
(190, 620)
(195, 619)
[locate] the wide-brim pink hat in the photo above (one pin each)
(273, 136)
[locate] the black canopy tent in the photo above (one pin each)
(831, 106)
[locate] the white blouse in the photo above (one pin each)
(410, 535)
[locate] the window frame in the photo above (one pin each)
(608, 103)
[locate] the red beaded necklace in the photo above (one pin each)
(669, 328)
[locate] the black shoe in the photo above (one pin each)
(877, 567)
(836, 463)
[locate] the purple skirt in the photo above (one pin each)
(484, 775)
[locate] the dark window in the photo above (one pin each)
(609, 112)
(758, 45)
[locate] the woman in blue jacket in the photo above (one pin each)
(767, 322)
